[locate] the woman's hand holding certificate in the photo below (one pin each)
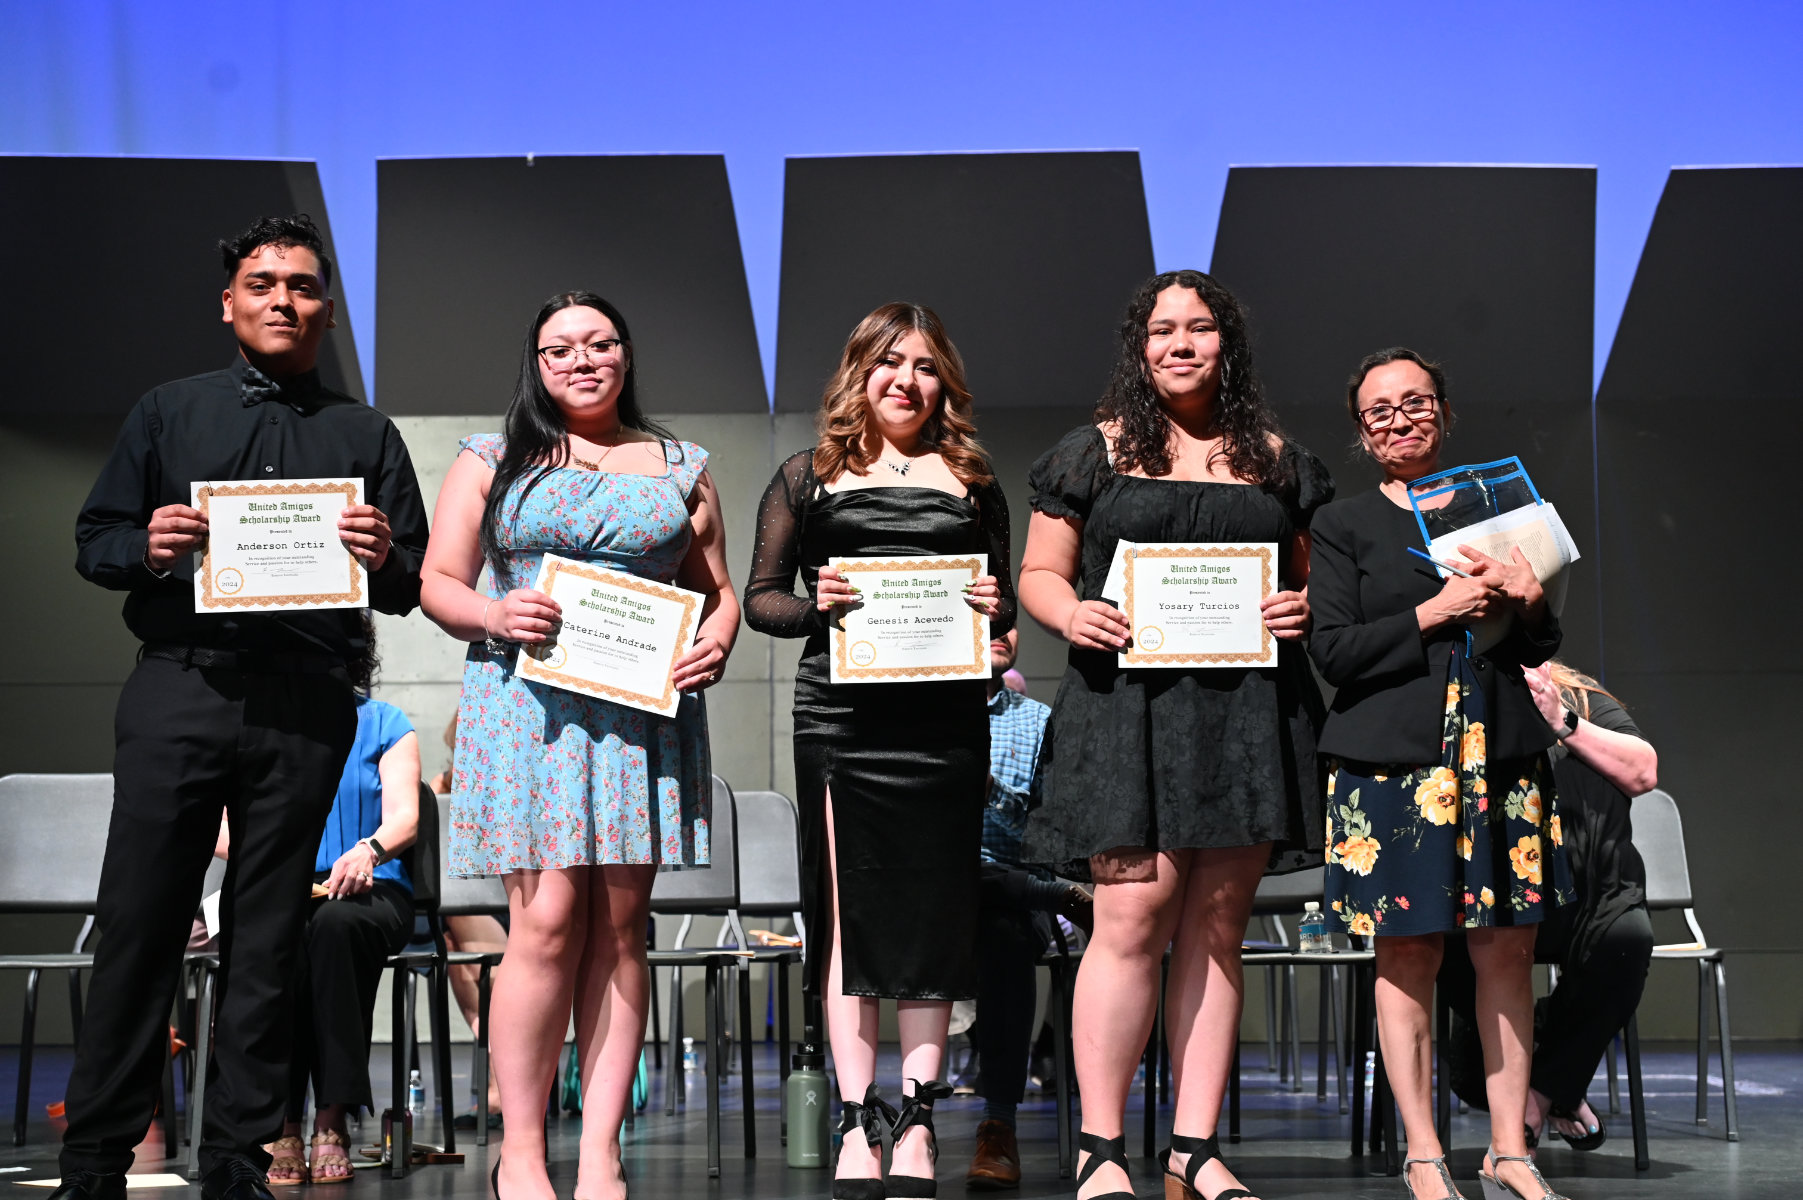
(620, 638)
(909, 617)
(1203, 605)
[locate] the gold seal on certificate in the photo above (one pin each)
(1197, 605)
(620, 639)
(912, 623)
(274, 546)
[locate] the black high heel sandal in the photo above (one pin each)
(872, 1116)
(1103, 1150)
(1201, 1151)
(494, 1178)
(918, 1110)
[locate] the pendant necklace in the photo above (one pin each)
(901, 468)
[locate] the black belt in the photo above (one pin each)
(257, 662)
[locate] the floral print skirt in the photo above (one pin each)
(1465, 844)
(547, 778)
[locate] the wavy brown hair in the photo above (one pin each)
(1248, 427)
(1575, 688)
(845, 409)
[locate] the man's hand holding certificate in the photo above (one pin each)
(620, 638)
(1196, 605)
(274, 546)
(911, 621)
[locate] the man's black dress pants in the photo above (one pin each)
(268, 749)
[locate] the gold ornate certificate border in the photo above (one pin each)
(979, 645)
(353, 593)
(1135, 657)
(531, 667)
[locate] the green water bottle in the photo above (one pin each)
(807, 1100)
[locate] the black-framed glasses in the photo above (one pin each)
(1382, 416)
(563, 358)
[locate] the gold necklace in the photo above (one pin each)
(585, 464)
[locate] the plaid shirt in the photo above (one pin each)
(1016, 728)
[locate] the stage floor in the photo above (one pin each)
(1294, 1147)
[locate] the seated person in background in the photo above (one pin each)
(477, 935)
(1013, 925)
(1601, 944)
(361, 913)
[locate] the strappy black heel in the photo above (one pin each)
(918, 1110)
(1201, 1151)
(1103, 1150)
(872, 1116)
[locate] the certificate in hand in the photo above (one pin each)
(620, 639)
(1197, 605)
(913, 623)
(274, 546)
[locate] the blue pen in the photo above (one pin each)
(1438, 563)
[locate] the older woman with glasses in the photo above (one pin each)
(1440, 800)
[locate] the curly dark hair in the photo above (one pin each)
(1248, 427)
(367, 664)
(297, 230)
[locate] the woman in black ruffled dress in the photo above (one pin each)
(1177, 787)
(891, 776)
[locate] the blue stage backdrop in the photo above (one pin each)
(1631, 89)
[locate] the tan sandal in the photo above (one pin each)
(287, 1162)
(340, 1157)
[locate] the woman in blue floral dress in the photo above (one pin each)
(576, 802)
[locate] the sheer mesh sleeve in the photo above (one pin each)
(771, 605)
(996, 533)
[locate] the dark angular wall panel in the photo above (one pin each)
(1699, 418)
(468, 248)
(113, 278)
(1490, 270)
(1029, 259)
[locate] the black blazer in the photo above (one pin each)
(1363, 586)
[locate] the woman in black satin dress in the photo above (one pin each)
(1177, 788)
(891, 776)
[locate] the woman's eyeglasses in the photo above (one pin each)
(1382, 416)
(563, 358)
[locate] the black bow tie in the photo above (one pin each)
(257, 387)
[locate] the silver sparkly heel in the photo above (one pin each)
(1452, 1189)
(1496, 1189)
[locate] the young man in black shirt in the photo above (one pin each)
(251, 713)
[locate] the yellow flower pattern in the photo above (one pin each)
(1415, 849)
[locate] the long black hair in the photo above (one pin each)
(535, 433)
(1246, 422)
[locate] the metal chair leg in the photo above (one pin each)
(1061, 1062)
(1702, 1042)
(1271, 1064)
(713, 1070)
(1292, 1004)
(1636, 1098)
(674, 1080)
(1322, 1006)
(479, 1056)
(1338, 1018)
(1721, 1028)
(203, 1055)
(1614, 1082)
(27, 1038)
(1442, 1072)
(1233, 1097)
(747, 1094)
(782, 1050)
(440, 1000)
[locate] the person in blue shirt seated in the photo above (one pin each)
(361, 912)
(1014, 924)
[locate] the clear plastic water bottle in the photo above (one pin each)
(1312, 938)
(416, 1094)
(690, 1060)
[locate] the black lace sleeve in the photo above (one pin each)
(1068, 477)
(771, 605)
(996, 532)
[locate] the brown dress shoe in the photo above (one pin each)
(996, 1163)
